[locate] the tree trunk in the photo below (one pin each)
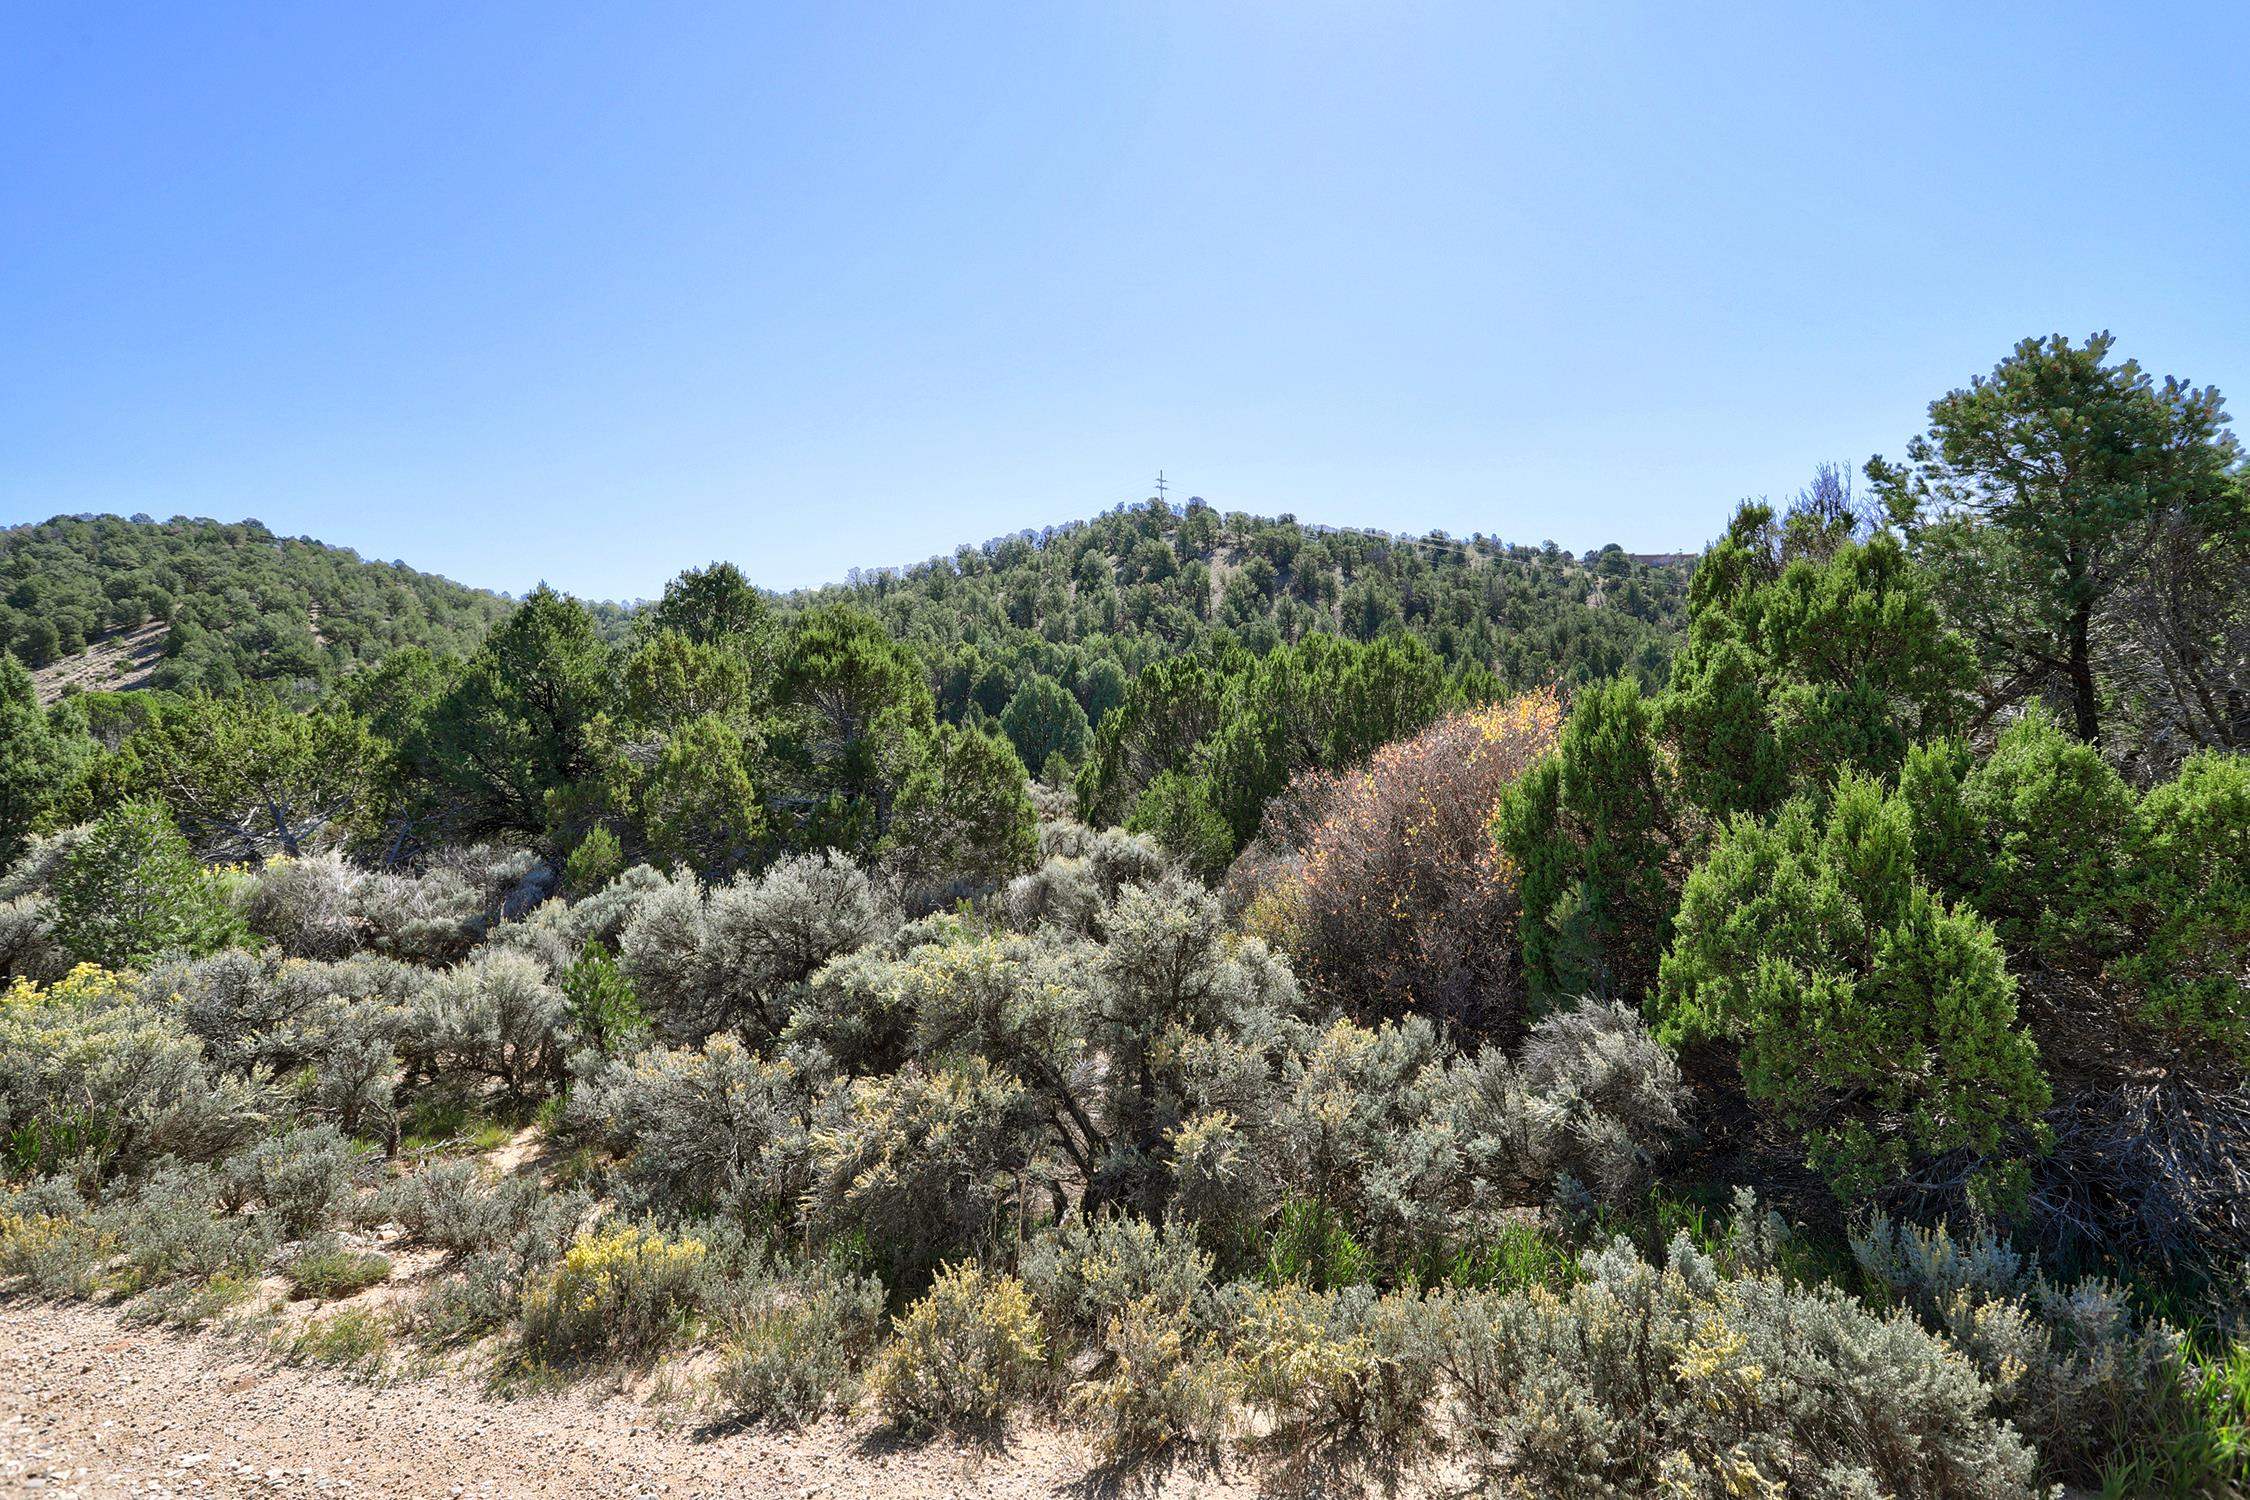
(2082, 672)
(281, 828)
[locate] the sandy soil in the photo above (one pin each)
(90, 1405)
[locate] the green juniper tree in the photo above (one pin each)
(1863, 1010)
(1043, 721)
(38, 759)
(1592, 830)
(131, 890)
(514, 727)
(1797, 669)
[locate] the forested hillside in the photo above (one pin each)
(1415, 1009)
(1090, 604)
(242, 605)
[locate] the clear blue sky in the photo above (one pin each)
(594, 292)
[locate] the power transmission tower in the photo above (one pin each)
(1160, 484)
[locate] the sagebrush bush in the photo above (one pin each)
(857, 1013)
(1343, 1366)
(1058, 893)
(451, 1206)
(1177, 1000)
(29, 947)
(1359, 1152)
(447, 1205)
(732, 959)
(2074, 1367)
(94, 1080)
(505, 1237)
(1087, 1271)
(1161, 1381)
(1222, 1185)
(625, 1290)
(434, 917)
(661, 949)
(542, 942)
(794, 1345)
(327, 1270)
(229, 1000)
(921, 1164)
(33, 872)
(1082, 872)
(193, 1304)
(961, 1354)
(601, 916)
(52, 1241)
(302, 1177)
(714, 1129)
(478, 1299)
(508, 879)
(1680, 1380)
(339, 1020)
(307, 905)
(497, 1015)
(1353, 1131)
(1594, 1099)
(355, 1068)
(172, 1228)
(1019, 1003)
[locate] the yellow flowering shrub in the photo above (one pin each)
(83, 988)
(617, 1290)
(54, 1255)
(95, 1082)
(958, 1356)
(1163, 1383)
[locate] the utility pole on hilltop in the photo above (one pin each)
(1160, 484)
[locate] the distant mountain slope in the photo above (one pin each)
(191, 603)
(104, 602)
(1093, 601)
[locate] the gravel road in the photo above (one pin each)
(90, 1405)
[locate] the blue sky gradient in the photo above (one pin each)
(593, 293)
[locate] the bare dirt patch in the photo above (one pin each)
(114, 663)
(93, 1406)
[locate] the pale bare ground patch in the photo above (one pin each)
(114, 663)
(93, 1406)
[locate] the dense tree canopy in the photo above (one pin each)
(247, 777)
(1093, 604)
(243, 605)
(1868, 1014)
